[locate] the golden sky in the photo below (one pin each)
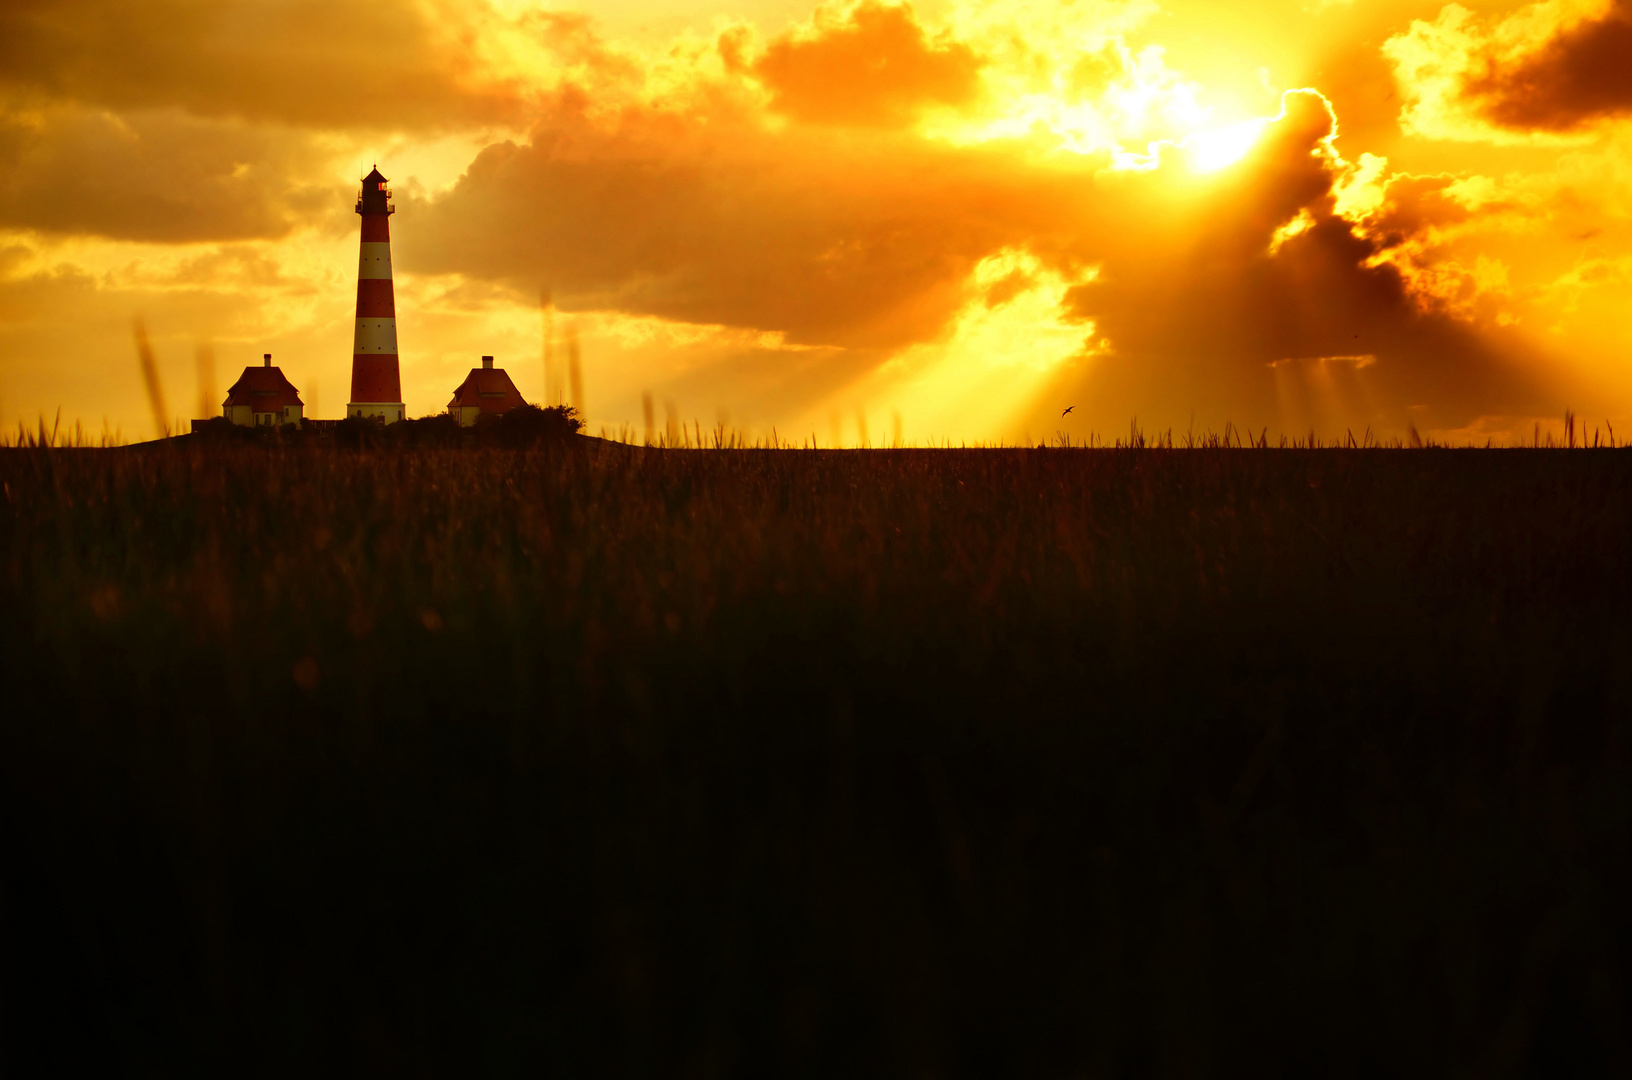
(941, 221)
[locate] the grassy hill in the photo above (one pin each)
(815, 763)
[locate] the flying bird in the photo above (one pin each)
(1068, 409)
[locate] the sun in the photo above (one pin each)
(1210, 151)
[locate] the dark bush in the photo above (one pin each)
(219, 429)
(526, 425)
(529, 425)
(357, 432)
(425, 432)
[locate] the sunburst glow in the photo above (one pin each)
(1210, 151)
(1010, 336)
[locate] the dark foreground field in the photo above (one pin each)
(1021, 763)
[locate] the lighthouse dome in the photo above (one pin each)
(375, 197)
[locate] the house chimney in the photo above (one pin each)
(487, 363)
(266, 361)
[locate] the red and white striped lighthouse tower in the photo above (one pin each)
(376, 386)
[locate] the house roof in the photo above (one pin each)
(374, 176)
(264, 388)
(488, 388)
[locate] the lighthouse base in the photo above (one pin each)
(388, 411)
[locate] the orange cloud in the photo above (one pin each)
(331, 63)
(161, 176)
(862, 241)
(872, 64)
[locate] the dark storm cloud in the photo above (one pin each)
(1221, 317)
(1581, 75)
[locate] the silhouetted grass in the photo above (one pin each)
(815, 763)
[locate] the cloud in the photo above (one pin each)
(1550, 68)
(1209, 290)
(872, 64)
(1579, 76)
(1227, 315)
(177, 121)
(859, 241)
(160, 176)
(343, 64)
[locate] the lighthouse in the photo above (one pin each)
(376, 386)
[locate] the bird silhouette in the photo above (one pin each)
(1068, 410)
